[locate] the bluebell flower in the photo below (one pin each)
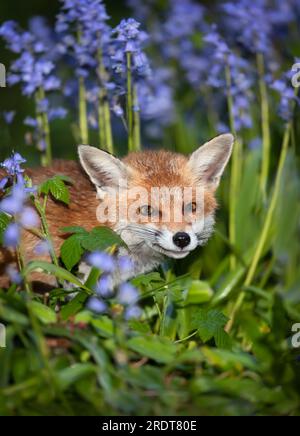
(42, 247)
(13, 164)
(31, 122)
(12, 236)
(241, 77)
(14, 204)
(9, 116)
(96, 305)
(32, 69)
(127, 294)
(287, 97)
(91, 18)
(129, 38)
(255, 144)
(57, 113)
(103, 261)
(14, 275)
(29, 218)
(125, 264)
(104, 287)
(132, 312)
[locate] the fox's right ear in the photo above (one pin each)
(104, 170)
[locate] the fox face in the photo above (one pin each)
(159, 202)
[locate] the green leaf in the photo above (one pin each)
(4, 221)
(11, 315)
(100, 238)
(56, 186)
(72, 374)
(222, 339)
(44, 313)
(57, 271)
(139, 326)
(104, 325)
(158, 349)
(209, 324)
(74, 306)
(71, 251)
(199, 292)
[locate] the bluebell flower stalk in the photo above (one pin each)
(105, 128)
(265, 125)
(129, 102)
(235, 169)
(82, 107)
(132, 67)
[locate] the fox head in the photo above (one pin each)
(159, 200)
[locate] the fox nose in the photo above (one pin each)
(181, 239)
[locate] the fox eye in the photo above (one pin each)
(190, 208)
(146, 210)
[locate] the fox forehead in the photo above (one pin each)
(158, 168)
(164, 169)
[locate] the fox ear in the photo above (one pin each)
(208, 162)
(104, 170)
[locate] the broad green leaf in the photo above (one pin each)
(104, 325)
(228, 285)
(100, 238)
(198, 292)
(227, 360)
(71, 251)
(139, 326)
(208, 323)
(56, 186)
(9, 314)
(74, 306)
(154, 347)
(69, 376)
(57, 271)
(222, 339)
(44, 313)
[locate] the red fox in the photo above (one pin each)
(104, 179)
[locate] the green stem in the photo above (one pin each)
(267, 225)
(235, 170)
(136, 122)
(265, 123)
(101, 121)
(129, 104)
(107, 124)
(47, 235)
(83, 122)
(105, 130)
(44, 127)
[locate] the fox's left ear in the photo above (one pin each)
(208, 162)
(104, 170)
